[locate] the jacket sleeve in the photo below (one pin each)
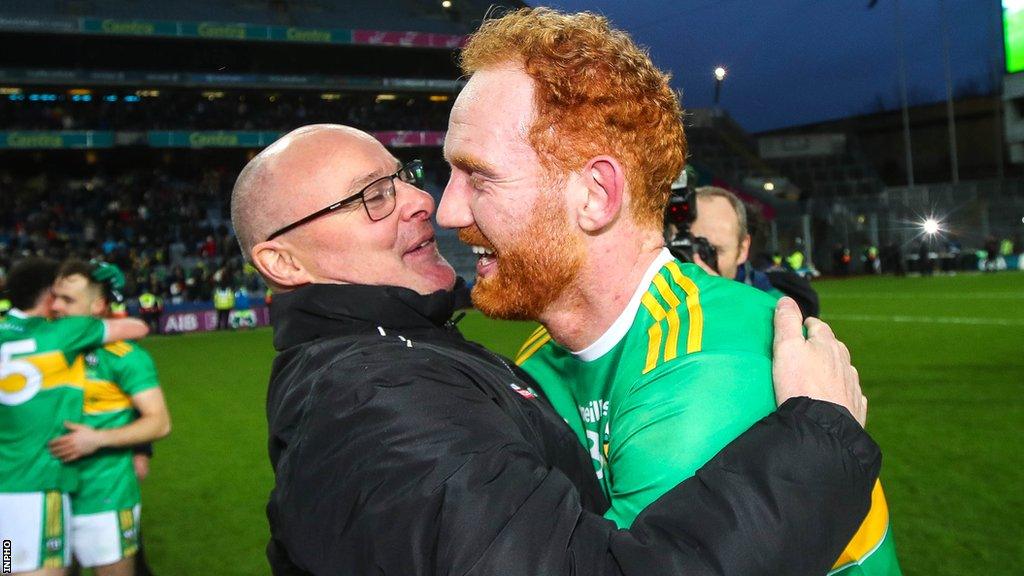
(783, 498)
(421, 472)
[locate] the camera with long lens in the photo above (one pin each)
(680, 214)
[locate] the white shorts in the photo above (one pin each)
(36, 525)
(105, 537)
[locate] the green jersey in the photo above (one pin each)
(684, 370)
(114, 374)
(41, 379)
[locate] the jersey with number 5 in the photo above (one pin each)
(42, 375)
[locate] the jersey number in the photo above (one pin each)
(13, 392)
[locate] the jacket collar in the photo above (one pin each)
(318, 310)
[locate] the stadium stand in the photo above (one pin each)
(122, 125)
(829, 164)
(413, 15)
(722, 147)
(67, 108)
(162, 103)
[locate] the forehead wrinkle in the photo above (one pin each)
(362, 181)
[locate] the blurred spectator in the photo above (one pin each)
(217, 110)
(174, 257)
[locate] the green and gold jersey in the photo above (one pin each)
(114, 374)
(41, 379)
(684, 370)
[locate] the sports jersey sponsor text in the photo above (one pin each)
(593, 411)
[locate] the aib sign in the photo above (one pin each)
(188, 322)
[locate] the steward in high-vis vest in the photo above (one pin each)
(795, 260)
(223, 302)
(150, 307)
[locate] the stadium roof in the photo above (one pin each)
(398, 15)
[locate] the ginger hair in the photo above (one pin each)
(597, 92)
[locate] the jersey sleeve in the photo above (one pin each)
(871, 551)
(136, 371)
(77, 334)
(678, 417)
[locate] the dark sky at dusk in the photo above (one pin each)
(794, 62)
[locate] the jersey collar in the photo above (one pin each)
(614, 334)
(15, 313)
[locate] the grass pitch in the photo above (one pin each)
(941, 359)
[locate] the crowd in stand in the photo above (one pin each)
(192, 110)
(167, 233)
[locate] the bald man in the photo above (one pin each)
(400, 448)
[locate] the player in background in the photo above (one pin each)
(120, 381)
(42, 374)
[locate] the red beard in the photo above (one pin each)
(543, 261)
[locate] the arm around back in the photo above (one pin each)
(124, 329)
(421, 471)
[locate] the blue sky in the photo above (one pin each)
(794, 62)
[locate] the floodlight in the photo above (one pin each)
(930, 226)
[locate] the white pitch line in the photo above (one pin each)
(926, 319)
(960, 296)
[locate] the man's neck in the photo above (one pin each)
(601, 292)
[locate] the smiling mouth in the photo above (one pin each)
(487, 260)
(421, 246)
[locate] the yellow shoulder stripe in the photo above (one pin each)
(533, 337)
(653, 331)
(103, 396)
(672, 315)
(870, 533)
(535, 342)
(119, 348)
(696, 333)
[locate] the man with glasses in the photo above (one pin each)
(400, 448)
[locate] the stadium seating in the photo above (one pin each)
(120, 109)
(419, 15)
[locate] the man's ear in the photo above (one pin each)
(278, 264)
(98, 306)
(744, 249)
(605, 183)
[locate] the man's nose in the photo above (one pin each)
(413, 203)
(454, 211)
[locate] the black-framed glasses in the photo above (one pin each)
(377, 197)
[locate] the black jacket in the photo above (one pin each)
(400, 448)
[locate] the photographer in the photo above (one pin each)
(708, 226)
